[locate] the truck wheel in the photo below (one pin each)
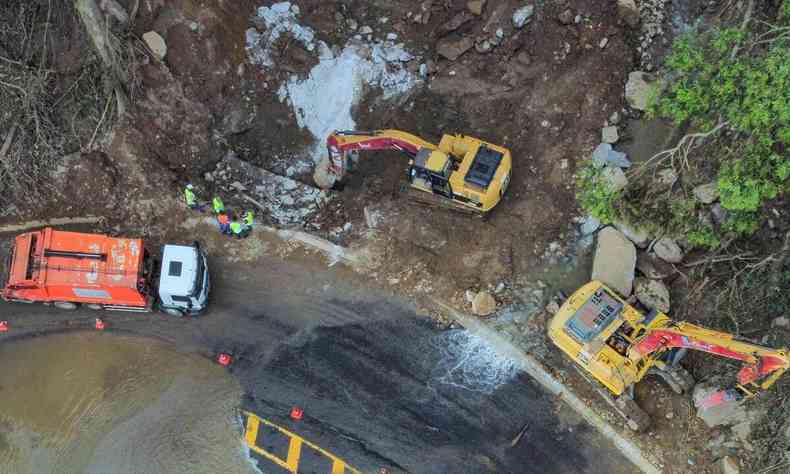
(94, 306)
(66, 305)
(174, 312)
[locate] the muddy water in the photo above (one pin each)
(97, 403)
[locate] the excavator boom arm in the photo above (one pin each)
(759, 361)
(349, 140)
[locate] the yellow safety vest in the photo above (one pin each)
(235, 227)
(190, 197)
(219, 206)
(248, 217)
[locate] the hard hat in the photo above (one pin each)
(189, 186)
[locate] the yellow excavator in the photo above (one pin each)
(462, 172)
(618, 346)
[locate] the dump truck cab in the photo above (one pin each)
(69, 269)
(184, 282)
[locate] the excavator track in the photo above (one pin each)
(435, 201)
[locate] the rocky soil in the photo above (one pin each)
(234, 97)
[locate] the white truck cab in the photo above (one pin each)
(184, 281)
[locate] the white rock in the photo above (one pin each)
(614, 178)
(603, 43)
(483, 304)
(609, 134)
(638, 89)
(780, 322)
(652, 293)
(392, 36)
(604, 154)
(322, 177)
(615, 261)
(365, 30)
(469, 295)
(667, 177)
(729, 465)
(638, 236)
(707, 193)
(589, 225)
(628, 11)
(156, 43)
(668, 250)
(522, 15)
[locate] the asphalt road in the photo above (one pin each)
(379, 385)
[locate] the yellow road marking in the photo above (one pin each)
(294, 448)
(251, 436)
(294, 453)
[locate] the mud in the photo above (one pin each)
(89, 402)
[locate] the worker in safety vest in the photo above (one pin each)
(191, 198)
(224, 223)
(248, 220)
(236, 228)
(218, 205)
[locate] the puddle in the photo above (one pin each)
(97, 403)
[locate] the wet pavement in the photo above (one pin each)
(98, 403)
(380, 386)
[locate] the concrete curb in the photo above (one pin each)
(554, 386)
(51, 222)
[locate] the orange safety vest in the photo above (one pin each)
(223, 219)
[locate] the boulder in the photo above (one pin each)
(638, 236)
(476, 6)
(483, 304)
(668, 250)
(780, 322)
(614, 178)
(718, 214)
(654, 294)
(605, 155)
(566, 17)
(615, 261)
(628, 11)
(609, 134)
(707, 193)
(322, 177)
(522, 15)
(653, 267)
(589, 225)
(452, 49)
(667, 177)
(638, 89)
(729, 465)
(456, 22)
(715, 410)
(156, 43)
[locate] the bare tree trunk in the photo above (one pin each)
(106, 45)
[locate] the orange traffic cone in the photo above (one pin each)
(3, 326)
(224, 359)
(296, 413)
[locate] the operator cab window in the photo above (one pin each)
(594, 316)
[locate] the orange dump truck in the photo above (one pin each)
(67, 269)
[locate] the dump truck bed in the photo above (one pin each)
(51, 265)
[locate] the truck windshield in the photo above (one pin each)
(200, 272)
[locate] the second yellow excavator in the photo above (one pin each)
(467, 173)
(619, 346)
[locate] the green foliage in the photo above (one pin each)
(706, 237)
(751, 92)
(595, 196)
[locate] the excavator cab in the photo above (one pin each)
(430, 171)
